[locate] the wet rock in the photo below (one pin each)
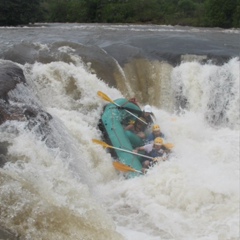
(7, 235)
(10, 112)
(3, 153)
(10, 76)
(38, 121)
(15, 106)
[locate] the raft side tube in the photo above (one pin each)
(112, 119)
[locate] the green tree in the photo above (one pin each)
(211, 13)
(147, 10)
(116, 12)
(236, 15)
(58, 10)
(93, 10)
(187, 7)
(220, 13)
(77, 11)
(15, 12)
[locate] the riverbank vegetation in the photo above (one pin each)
(198, 13)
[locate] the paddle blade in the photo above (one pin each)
(101, 143)
(168, 145)
(124, 168)
(104, 96)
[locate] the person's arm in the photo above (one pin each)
(147, 148)
(139, 149)
(129, 127)
(162, 154)
(150, 137)
(141, 135)
(166, 153)
(166, 150)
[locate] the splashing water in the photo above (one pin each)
(66, 188)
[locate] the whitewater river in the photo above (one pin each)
(64, 187)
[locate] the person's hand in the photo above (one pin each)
(157, 159)
(141, 134)
(164, 158)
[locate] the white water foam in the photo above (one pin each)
(73, 192)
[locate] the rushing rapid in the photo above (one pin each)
(55, 183)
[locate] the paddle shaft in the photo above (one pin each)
(125, 168)
(130, 113)
(138, 154)
(120, 149)
(107, 98)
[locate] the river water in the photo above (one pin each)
(65, 187)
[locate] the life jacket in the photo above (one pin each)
(156, 153)
(151, 137)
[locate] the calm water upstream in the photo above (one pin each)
(65, 187)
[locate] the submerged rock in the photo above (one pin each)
(10, 76)
(7, 235)
(15, 106)
(3, 153)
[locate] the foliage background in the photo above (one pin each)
(199, 13)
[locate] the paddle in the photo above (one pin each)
(106, 98)
(124, 168)
(167, 145)
(120, 149)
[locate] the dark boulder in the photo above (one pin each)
(10, 76)
(15, 106)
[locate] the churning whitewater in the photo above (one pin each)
(57, 184)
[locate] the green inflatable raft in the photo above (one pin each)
(115, 116)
